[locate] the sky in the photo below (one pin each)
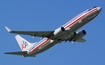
(47, 15)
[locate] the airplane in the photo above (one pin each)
(66, 32)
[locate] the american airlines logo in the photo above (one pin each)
(24, 44)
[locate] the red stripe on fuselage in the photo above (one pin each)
(44, 42)
(76, 20)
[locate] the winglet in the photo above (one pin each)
(7, 29)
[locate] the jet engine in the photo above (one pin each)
(79, 35)
(59, 30)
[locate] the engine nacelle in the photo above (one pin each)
(59, 30)
(79, 35)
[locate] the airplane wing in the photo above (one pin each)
(32, 33)
(17, 53)
(80, 40)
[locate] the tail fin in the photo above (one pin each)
(24, 44)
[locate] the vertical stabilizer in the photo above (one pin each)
(24, 44)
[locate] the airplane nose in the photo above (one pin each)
(99, 8)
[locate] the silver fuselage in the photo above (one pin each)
(70, 27)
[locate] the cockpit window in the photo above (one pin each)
(89, 9)
(94, 6)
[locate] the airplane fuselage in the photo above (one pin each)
(67, 31)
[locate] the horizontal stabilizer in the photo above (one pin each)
(17, 53)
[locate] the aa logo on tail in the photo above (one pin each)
(24, 44)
